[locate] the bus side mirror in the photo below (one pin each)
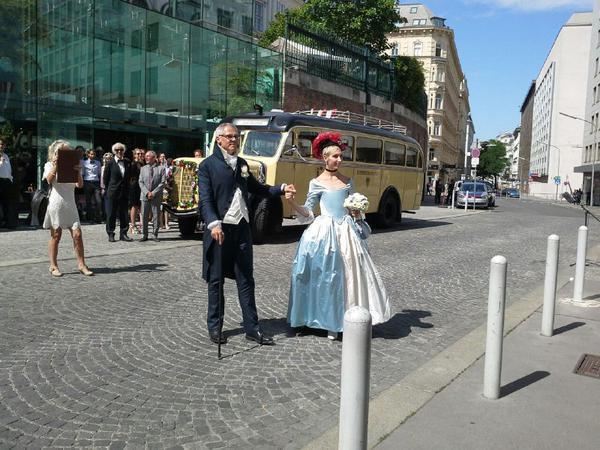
(291, 151)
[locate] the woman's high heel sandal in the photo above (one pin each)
(55, 272)
(86, 271)
(332, 335)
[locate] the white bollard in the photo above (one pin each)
(550, 285)
(495, 328)
(466, 199)
(356, 368)
(580, 264)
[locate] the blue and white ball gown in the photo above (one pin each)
(332, 269)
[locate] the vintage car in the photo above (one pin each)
(181, 198)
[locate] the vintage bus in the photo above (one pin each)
(387, 166)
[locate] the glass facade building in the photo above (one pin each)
(157, 74)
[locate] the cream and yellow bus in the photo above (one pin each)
(386, 165)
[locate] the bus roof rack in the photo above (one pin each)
(359, 119)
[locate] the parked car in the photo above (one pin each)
(511, 192)
(491, 194)
(476, 193)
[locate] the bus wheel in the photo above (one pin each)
(187, 225)
(266, 220)
(388, 211)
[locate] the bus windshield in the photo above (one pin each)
(261, 143)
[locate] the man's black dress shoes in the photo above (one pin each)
(144, 239)
(214, 337)
(156, 239)
(258, 336)
(111, 238)
(125, 238)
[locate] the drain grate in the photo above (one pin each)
(588, 365)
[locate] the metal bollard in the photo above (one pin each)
(356, 368)
(495, 328)
(550, 285)
(580, 264)
(466, 199)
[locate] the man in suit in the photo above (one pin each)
(224, 182)
(116, 179)
(152, 182)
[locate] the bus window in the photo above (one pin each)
(261, 143)
(304, 142)
(348, 153)
(368, 150)
(411, 157)
(394, 153)
(419, 160)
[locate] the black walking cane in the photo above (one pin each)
(221, 299)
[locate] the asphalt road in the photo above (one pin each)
(122, 359)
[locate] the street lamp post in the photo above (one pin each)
(557, 169)
(595, 128)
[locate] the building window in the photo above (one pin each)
(594, 96)
(259, 16)
(438, 50)
(395, 50)
(224, 18)
(596, 70)
(438, 101)
(437, 129)
(247, 25)
(414, 9)
(431, 154)
(418, 48)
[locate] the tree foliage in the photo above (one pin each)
(361, 22)
(410, 81)
(492, 160)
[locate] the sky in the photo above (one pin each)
(502, 45)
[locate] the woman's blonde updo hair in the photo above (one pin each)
(55, 146)
(330, 149)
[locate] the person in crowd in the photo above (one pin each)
(134, 189)
(6, 188)
(116, 178)
(439, 188)
(332, 269)
(79, 193)
(428, 187)
(106, 158)
(62, 211)
(164, 215)
(151, 182)
(198, 153)
(91, 169)
(225, 182)
(451, 192)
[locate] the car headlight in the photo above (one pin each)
(484, 196)
(461, 194)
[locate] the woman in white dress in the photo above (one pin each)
(62, 212)
(332, 269)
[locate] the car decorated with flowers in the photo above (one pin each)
(181, 198)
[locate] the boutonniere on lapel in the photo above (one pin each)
(244, 171)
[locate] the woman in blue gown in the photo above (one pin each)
(332, 269)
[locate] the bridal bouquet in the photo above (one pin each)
(357, 202)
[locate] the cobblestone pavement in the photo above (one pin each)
(122, 359)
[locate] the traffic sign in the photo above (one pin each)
(474, 162)
(557, 180)
(475, 153)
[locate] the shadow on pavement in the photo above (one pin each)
(137, 268)
(400, 324)
(523, 382)
(568, 327)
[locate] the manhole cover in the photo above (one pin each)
(588, 365)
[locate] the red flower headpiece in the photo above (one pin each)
(324, 140)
